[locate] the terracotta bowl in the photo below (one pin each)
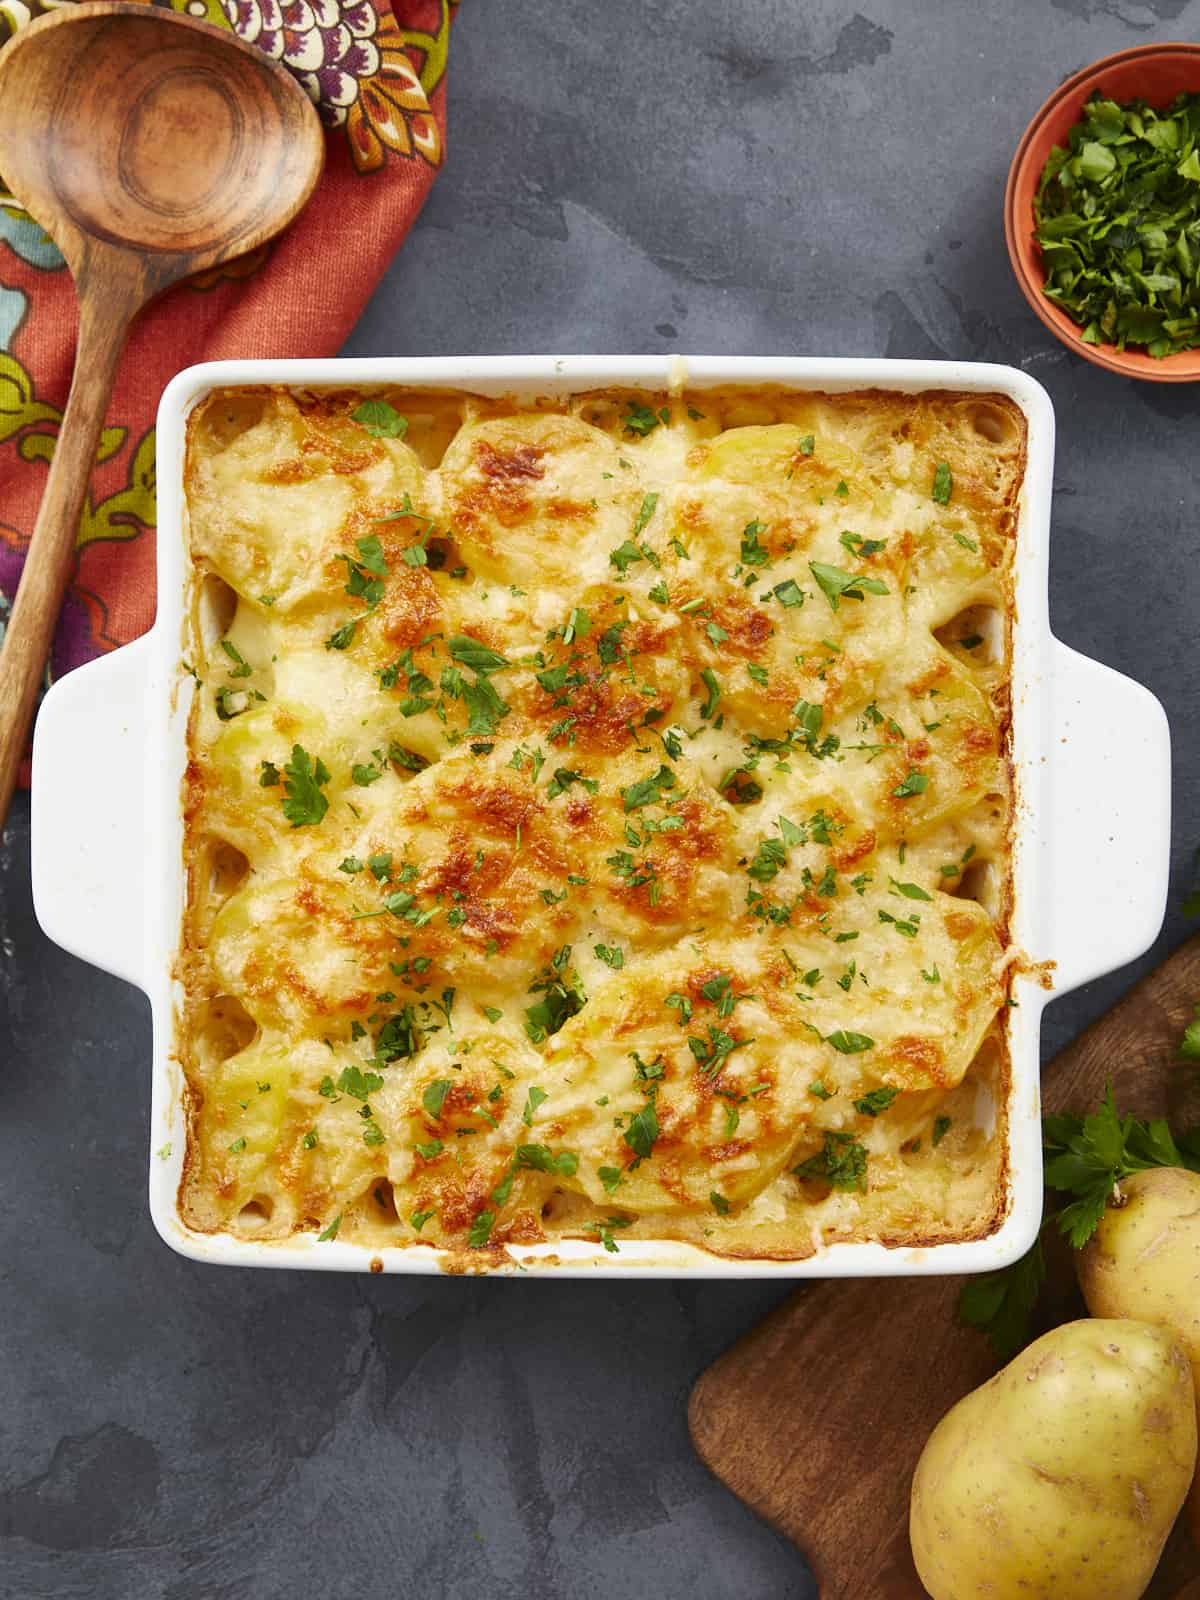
(1153, 72)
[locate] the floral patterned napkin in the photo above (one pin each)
(378, 80)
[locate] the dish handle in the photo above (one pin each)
(88, 833)
(1104, 852)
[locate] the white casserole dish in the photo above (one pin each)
(1091, 837)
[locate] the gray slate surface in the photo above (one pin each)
(767, 177)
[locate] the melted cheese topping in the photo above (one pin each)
(597, 818)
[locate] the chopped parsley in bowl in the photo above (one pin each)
(1117, 214)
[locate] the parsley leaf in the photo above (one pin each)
(648, 791)
(835, 583)
(943, 484)
(380, 419)
(914, 783)
(642, 1131)
(478, 657)
(624, 556)
(533, 1100)
(434, 1096)
(341, 638)
(641, 420)
(304, 805)
(645, 512)
(878, 1100)
(1001, 1303)
(910, 891)
(481, 1230)
(754, 554)
(841, 1163)
(853, 1044)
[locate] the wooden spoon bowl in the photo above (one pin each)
(149, 146)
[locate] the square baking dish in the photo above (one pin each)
(1091, 815)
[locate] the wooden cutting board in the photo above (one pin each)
(816, 1418)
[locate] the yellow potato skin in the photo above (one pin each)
(1144, 1261)
(1059, 1479)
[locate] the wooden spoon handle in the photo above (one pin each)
(103, 326)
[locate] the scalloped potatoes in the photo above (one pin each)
(598, 817)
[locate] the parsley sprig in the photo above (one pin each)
(1086, 1158)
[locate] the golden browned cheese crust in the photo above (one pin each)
(598, 818)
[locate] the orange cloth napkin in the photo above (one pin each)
(378, 80)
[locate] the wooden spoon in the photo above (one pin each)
(149, 146)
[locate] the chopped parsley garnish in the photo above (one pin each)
(624, 556)
(849, 1044)
(858, 546)
(818, 1089)
(331, 1232)
(241, 667)
(562, 998)
(481, 1229)
(943, 483)
(789, 593)
(540, 1158)
(713, 1052)
(645, 512)
(1116, 215)
(562, 780)
(434, 1095)
(341, 638)
(365, 576)
(642, 1131)
(836, 584)
(914, 783)
(611, 955)
(648, 791)
(754, 554)
(478, 657)
(719, 1203)
(878, 1100)
(420, 1218)
(641, 420)
(910, 891)
(941, 1127)
(533, 1100)
(841, 1163)
(709, 679)
(807, 445)
(304, 805)
(605, 1231)
(397, 1039)
(269, 775)
(359, 1084)
(380, 419)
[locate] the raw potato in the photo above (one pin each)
(1144, 1261)
(1060, 1478)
